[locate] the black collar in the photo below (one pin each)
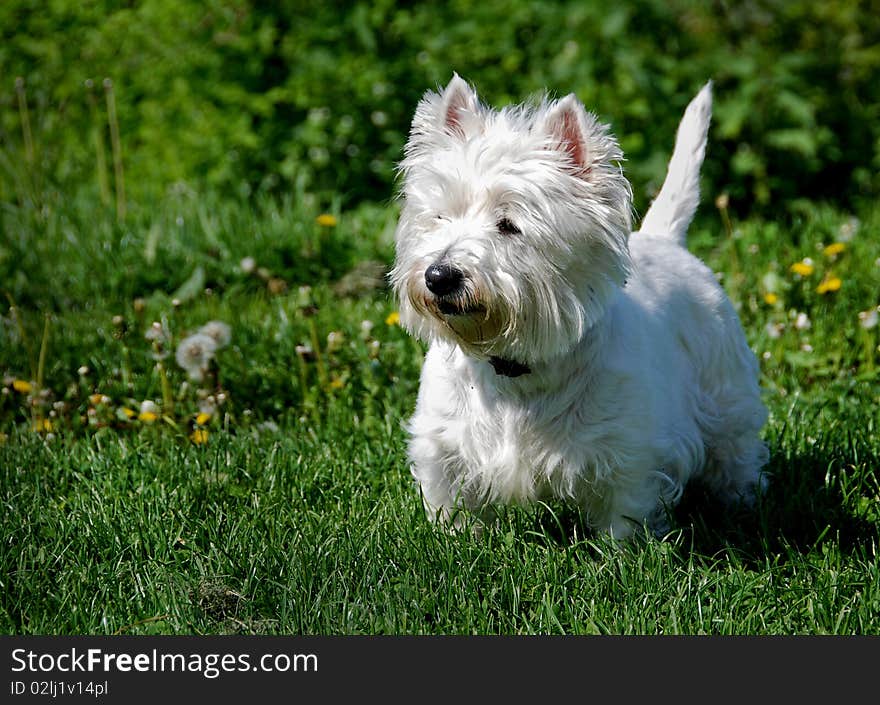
(508, 368)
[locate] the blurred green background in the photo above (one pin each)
(289, 97)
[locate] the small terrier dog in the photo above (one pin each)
(568, 357)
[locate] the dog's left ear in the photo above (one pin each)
(571, 129)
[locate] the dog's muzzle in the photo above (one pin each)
(447, 284)
(442, 279)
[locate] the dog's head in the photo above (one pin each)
(514, 225)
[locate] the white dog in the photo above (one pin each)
(568, 358)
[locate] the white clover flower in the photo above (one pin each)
(366, 327)
(195, 353)
(219, 331)
(248, 265)
(802, 322)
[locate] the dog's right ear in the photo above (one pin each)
(455, 111)
(460, 106)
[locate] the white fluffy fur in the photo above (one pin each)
(640, 376)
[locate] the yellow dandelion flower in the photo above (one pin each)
(95, 399)
(326, 219)
(128, 413)
(148, 416)
(804, 268)
(19, 385)
(834, 249)
(336, 383)
(829, 284)
(393, 319)
(202, 418)
(42, 425)
(770, 298)
(199, 436)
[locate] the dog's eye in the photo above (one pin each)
(506, 227)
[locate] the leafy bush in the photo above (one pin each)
(291, 96)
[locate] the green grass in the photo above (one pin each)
(298, 514)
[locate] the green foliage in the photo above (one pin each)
(304, 96)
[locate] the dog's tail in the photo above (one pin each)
(673, 209)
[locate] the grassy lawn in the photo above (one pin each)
(273, 496)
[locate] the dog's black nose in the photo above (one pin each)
(443, 279)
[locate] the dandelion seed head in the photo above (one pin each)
(157, 333)
(219, 331)
(848, 230)
(869, 319)
(335, 339)
(195, 353)
(207, 406)
(774, 330)
(802, 321)
(248, 265)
